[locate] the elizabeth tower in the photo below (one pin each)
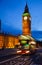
(26, 22)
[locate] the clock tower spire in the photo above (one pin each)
(26, 9)
(26, 21)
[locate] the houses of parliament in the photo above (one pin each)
(9, 41)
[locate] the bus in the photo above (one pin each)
(27, 45)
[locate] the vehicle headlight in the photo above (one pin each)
(27, 51)
(18, 51)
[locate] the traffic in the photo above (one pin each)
(27, 46)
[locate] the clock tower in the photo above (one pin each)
(26, 22)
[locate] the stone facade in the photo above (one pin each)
(8, 41)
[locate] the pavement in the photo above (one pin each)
(33, 59)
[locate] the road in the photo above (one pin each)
(34, 59)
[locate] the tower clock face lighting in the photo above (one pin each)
(25, 18)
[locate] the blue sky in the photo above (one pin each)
(11, 14)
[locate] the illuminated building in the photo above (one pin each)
(26, 22)
(9, 41)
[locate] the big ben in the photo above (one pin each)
(26, 22)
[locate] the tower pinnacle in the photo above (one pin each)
(26, 9)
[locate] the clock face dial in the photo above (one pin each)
(25, 18)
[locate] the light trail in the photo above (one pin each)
(9, 59)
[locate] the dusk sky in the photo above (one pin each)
(11, 14)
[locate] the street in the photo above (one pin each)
(34, 59)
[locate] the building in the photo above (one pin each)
(9, 41)
(26, 22)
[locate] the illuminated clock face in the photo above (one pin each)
(25, 18)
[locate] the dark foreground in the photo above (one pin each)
(34, 59)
